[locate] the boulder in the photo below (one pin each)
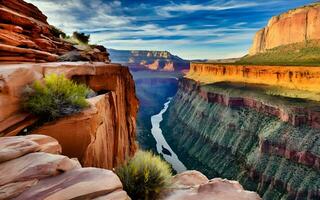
(202, 188)
(84, 183)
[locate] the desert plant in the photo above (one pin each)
(81, 37)
(57, 32)
(144, 176)
(54, 97)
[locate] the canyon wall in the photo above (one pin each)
(295, 26)
(238, 133)
(152, 60)
(102, 135)
(290, 77)
(25, 36)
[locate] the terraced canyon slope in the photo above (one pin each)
(256, 124)
(152, 60)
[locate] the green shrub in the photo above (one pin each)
(55, 97)
(144, 176)
(81, 37)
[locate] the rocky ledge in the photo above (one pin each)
(192, 185)
(31, 167)
(105, 132)
(25, 36)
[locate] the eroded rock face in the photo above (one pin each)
(25, 36)
(294, 77)
(192, 185)
(152, 60)
(34, 174)
(222, 127)
(106, 130)
(295, 26)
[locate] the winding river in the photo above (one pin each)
(163, 147)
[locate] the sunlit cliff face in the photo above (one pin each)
(300, 82)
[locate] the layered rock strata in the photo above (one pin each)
(223, 134)
(29, 170)
(151, 60)
(25, 36)
(290, 77)
(102, 135)
(295, 26)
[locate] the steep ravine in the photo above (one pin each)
(222, 138)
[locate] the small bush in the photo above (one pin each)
(55, 97)
(57, 32)
(81, 37)
(144, 176)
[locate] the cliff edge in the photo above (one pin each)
(295, 26)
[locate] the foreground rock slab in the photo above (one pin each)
(35, 170)
(216, 189)
(85, 183)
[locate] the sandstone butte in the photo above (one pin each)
(102, 135)
(295, 26)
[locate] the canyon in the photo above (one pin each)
(74, 156)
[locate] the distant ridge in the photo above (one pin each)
(151, 60)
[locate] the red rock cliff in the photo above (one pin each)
(299, 25)
(25, 36)
(100, 136)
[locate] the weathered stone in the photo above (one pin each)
(34, 166)
(117, 195)
(215, 189)
(85, 183)
(190, 178)
(14, 147)
(12, 190)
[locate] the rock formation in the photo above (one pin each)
(295, 26)
(25, 36)
(153, 60)
(31, 168)
(107, 128)
(240, 131)
(291, 77)
(192, 185)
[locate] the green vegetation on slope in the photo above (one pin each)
(298, 54)
(223, 142)
(55, 97)
(144, 176)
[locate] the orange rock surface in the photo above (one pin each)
(25, 36)
(102, 135)
(299, 25)
(299, 78)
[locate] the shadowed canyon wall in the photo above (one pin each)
(295, 26)
(240, 133)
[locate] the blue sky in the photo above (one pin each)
(193, 29)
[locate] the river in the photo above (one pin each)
(163, 147)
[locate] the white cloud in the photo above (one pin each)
(168, 10)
